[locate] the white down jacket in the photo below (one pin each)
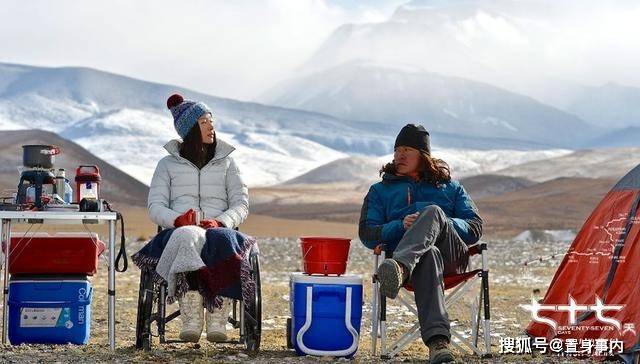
(217, 189)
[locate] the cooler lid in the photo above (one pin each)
(22, 278)
(320, 279)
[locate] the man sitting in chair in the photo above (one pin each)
(427, 220)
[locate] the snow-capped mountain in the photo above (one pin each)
(361, 90)
(440, 36)
(465, 163)
(117, 117)
(125, 122)
(610, 106)
(491, 41)
(623, 137)
(361, 170)
(462, 67)
(610, 163)
(267, 158)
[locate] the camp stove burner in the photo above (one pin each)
(35, 178)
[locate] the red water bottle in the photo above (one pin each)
(87, 182)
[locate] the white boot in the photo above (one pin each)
(217, 322)
(191, 313)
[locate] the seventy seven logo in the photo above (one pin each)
(571, 346)
(599, 308)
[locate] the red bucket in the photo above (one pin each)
(322, 255)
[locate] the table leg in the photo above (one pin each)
(112, 285)
(5, 234)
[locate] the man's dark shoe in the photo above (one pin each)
(439, 351)
(390, 277)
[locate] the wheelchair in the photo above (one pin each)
(152, 311)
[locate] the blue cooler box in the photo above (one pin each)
(49, 310)
(326, 312)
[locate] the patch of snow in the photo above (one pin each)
(7, 124)
(545, 235)
(493, 121)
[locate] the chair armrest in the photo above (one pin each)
(477, 248)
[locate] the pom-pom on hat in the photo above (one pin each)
(185, 113)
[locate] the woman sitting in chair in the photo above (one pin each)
(198, 196)
(427, 220)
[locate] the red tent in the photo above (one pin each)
(603, 262)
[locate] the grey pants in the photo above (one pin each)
(430, 249)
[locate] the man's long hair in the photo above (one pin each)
(194, 150)
(434, 170)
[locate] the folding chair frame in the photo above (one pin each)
(452, 296)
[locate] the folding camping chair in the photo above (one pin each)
(456, 286)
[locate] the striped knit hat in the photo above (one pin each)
(185, 113)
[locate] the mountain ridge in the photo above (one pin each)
(389, 95)
(118, 116)
(116, 185)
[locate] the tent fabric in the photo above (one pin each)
(590, 260)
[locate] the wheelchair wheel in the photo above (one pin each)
(145, 307)
(253, 309)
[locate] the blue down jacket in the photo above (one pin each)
(395, 197)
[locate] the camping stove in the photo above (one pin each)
(30, 187)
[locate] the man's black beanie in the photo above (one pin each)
(414, 136)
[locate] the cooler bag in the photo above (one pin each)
(49, 310)
(60, 253)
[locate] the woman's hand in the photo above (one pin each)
(409, 220)
(210, 224)
(188, 218)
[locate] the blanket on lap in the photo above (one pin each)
(220, 256)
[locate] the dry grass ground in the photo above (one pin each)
(511, 285)
(563, 203)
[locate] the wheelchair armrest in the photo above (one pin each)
(474, 249)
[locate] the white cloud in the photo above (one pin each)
(600, 45)
(234, 49)
(238, 49)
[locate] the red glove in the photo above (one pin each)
(210, 224)
(188, 218)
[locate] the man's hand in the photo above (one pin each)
(409, 220)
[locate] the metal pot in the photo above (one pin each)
(39, 156)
